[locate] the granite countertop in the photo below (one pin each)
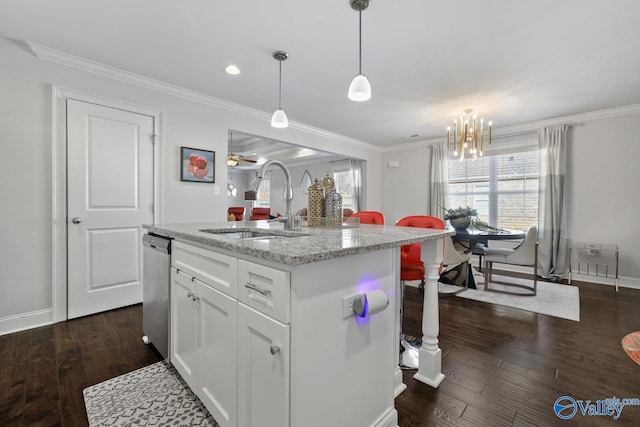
(308, 245)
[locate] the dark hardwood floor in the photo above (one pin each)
(504, 367)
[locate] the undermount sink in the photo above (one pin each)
(255, 234)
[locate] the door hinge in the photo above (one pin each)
(153, 138)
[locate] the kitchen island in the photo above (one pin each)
(263, 326)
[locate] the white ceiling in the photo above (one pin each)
(514, 61)
(260, 149)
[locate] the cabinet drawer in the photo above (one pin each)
(265, 289)
(216, 270)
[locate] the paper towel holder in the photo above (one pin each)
(370, 303)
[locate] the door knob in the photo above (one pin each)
(76, 220)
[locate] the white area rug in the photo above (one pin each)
(154, 395)
(552, 299)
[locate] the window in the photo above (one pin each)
(344, 182)
(503, 188)
(264, 192)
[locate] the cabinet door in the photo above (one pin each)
(217, 363)
(184, 326)
(263, 370)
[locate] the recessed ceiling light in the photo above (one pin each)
(233, 70)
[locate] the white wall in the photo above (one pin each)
(602, 176)
(405, 188)
(26, 167)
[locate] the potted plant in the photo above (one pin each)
(460, 218)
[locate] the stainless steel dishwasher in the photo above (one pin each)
(156, 284)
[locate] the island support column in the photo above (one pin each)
(430, 367)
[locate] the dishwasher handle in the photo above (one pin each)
(156, 242)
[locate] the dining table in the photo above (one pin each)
(471, 239)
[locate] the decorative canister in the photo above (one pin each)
(315, 204)
(328, 184)
(333, 207)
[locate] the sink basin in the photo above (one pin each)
(255, 234)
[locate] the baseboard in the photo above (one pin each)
(623, 282)
(21, 322)
(389, 419)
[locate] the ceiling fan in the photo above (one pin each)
(235, 160)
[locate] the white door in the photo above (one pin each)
(109, 196)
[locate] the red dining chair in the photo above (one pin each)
(412, 268)
(370, 217)
(411, 265)
(260, 213)
(237, 211)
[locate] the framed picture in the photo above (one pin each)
(197, 165)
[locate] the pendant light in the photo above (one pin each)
(279, 118)
(359, 89)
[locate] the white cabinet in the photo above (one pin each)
(184, 325)
(263, 370)
(204, 341)
(235, 358)
(268, 346)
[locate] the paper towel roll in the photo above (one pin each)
(370, 303)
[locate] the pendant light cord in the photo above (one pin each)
(280, 86)
(360, 42)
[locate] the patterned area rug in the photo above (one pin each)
(154, 395)
(552, 299)
(631, 345)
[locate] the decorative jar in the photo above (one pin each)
(315, 204)
(461, 223)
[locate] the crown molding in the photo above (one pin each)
(87, 65)
(63, 58)
(531, 127)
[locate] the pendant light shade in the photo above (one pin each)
(359, 89)
(279, 118)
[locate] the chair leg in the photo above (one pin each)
(535, 270)
(487, 274)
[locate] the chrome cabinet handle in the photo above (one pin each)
(274, 349)
(251, 286)
(189, 294)
(76, 220)
(195, 298)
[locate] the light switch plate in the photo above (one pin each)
(216, 190)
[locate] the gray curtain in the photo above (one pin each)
(439, 180)
(552, 206)
(356, 179)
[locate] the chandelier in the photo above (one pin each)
(468, 135)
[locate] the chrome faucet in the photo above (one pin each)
(252, 192)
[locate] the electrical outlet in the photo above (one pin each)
(216, 190)
(347, 305)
